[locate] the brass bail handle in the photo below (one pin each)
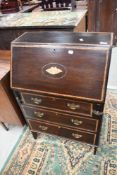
(44, 128)
(77, 136)
(73, 106)
(36, 100)
(39, 114)
(76, 122)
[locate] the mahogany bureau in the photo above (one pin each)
(59, 80)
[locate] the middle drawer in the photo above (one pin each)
(61, 118)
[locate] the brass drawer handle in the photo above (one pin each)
(44, 128)
(73, 106)
(76, 122)
(77, 136)
(36, 100)
(39, 114)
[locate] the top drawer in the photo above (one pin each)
(58, 103)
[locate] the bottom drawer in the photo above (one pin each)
(62, 131)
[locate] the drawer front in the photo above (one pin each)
(64, 119)
(59, 104)
(62, 131)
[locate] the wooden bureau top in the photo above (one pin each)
(65, 38)
(71, 65)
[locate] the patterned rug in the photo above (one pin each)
(51, 155)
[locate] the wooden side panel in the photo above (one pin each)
(91, 15)
(102, 16)
(9, 110)
(105, 16)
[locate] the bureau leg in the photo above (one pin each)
(4, 126)
(95, 150)
(34, 135)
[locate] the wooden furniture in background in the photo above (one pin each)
(10, 6)
(13, 6)
(14, 26)
(60, 79)
(102, 16)
(58, 4)
(9, 110)
(29, 8)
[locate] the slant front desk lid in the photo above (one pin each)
(68, 64)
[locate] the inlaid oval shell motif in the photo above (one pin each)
(54, 70)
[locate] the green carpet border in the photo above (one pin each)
(13, 150)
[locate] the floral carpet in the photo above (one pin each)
(51, 155)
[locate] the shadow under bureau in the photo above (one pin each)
(59, 80)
